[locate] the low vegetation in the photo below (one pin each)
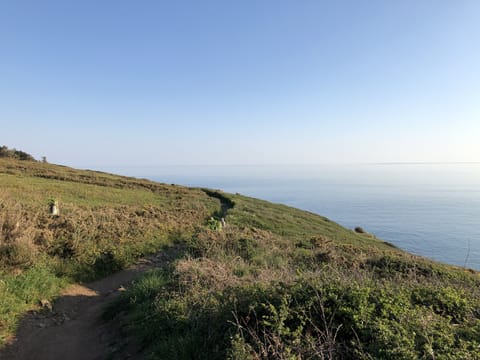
(5, 152)
(273, 283)
(105, 222)
(280, 283)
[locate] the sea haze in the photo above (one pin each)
(428, 209)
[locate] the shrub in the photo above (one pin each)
(5, 152)
(445, 301)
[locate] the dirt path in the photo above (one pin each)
(225, 203)
(72, 330)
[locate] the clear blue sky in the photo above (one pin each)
(241, 82)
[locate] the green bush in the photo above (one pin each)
(445, 301)
(214, 224)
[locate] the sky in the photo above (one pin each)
(218, 82)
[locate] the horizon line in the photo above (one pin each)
(280, 165)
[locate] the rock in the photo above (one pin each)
(46, 304)
(359, 230)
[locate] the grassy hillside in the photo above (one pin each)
(280, 283)
(275, 283)
(105, 223)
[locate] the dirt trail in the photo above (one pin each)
(225, 202)
(72, 329)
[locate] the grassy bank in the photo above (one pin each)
(280, 283)
(275, 283)
(105, 223)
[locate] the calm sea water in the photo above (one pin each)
(428, 209)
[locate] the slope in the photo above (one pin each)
(281, 283)
(106, 222)
(275, 283)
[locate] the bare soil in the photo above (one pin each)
(71, 327)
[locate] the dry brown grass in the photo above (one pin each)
(18, 232)
(99, 213)
(106, 222)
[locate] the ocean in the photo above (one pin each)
(431, 210)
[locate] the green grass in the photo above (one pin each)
(38, 190)
(293, 223)
(281, 283)
(106, 222)
(22, 292)
(276, 283)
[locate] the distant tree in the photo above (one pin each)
(15, 154)
(44, 159)
(22, 155)
(4, 151)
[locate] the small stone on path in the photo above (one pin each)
(46, 304)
